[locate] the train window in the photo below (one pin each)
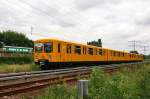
(48, 47)
(122, 54)
(38, 47)
(95, 51)
(90, 51)
(114, 53)
(77, 49)
(58, 47)
(119, 54)
(111, 53)
(100, 52)
(68, 48)
(83, 50)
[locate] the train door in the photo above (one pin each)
(63, 52)
(69, 52)
(59, 52)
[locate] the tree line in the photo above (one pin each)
(13, 38)
(147, 56)
(97, 43)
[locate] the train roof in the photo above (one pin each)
(66, 41)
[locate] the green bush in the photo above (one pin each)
(16, 60)
(118, 86)
(122, 85)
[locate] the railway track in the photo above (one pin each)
(15, 83)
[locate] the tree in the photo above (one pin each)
(135, 52)
(1, 44)
(147, 56)
(95, 43)
(13, 38)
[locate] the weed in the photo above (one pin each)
(125, 84)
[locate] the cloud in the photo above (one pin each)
(144, 22)
(114, 21)
(86, 4)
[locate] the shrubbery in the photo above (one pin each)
(122, 85)
(125, 84)
(16, 59)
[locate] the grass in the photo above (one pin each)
(17, 59)
(14, 68)
(125, 84)
(59, 92)
(17, 63)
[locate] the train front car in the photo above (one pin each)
(43, 50)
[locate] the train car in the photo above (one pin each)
(53, 52)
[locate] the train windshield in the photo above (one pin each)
(48, 47)
(38, 47)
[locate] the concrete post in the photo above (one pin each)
(82, 89)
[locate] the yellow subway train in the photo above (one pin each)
(50, 53)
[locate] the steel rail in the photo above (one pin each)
(38, 72)
(11, 89)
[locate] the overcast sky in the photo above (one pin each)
(116, 22)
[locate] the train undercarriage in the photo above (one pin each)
(44, 64)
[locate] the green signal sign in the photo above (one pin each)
(16, 49)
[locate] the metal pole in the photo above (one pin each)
(82, 89)
(31, 30)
